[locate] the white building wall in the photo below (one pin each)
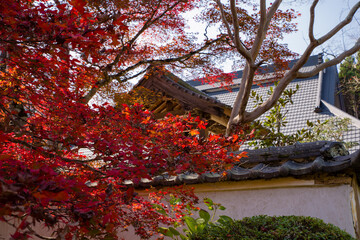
(332, 203)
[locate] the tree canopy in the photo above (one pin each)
(350, 83)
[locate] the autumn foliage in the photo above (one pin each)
(55, 56)
(43, 177)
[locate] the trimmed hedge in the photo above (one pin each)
(265, 227)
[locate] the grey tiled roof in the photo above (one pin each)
(296, 160)
(305, 101)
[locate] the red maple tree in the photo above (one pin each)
(55, 56)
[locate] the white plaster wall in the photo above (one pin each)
(331, 204)
(6, 230)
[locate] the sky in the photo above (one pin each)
(328, 13)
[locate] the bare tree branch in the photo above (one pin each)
(341, 25)
(235, 36)
(131, 77)
(312, 19)
(223, 17)
(265, 19)
(241, 102)
(289, 76)
(331, 62)
(237, 114)
(270, 102)
(40, 236)
(260, 33)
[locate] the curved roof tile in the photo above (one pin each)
(299, 160)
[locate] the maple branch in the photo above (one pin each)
(108, 78)
(270, 102)
(131, 77)
(147, 24)
(206, 32)
(240, 103)
(52, 155)
(28, 227)
(40, 236)
(294, 71)
(126, 46)
(223, 17)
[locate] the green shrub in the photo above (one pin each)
(205, 227)
(265, 227)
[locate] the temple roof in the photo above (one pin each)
(299, 160)
(181, 97)
(316, 100)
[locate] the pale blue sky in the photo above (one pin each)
(328, 14)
